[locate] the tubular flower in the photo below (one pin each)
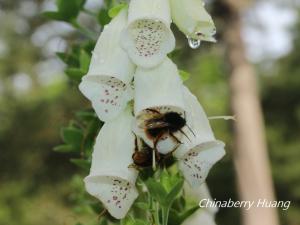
(157, 91)
(110, 179)
(148, 37)
(200, 151)
(108, 82)
(201, 216)
(193, 20)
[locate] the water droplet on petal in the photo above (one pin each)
(194, 43)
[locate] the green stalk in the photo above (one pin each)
(84, 31)
(155, 211)
(165, 215)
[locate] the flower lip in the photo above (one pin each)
(115, 193)
(148, 37)
(197, 162)
(109, 95)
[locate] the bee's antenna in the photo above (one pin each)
(191, 130)
(188, 125)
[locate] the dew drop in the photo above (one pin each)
(194, 43)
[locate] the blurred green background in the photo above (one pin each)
(40, 186)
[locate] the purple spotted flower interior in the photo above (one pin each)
(112, 94)
(148, 35)
(195, 167)
(116, 194)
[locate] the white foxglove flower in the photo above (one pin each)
(110, 179)
(160, 90)
(200, 217)
(108, 82)
(204, 215)
(201, 151)
(196, 194)
(193, 20)
(148, 37)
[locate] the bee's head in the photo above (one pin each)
(175, 119)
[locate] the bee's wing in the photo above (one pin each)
(153, 124)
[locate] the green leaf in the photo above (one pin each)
(156, 190)
(183, 216)
(142, 205)
(69, 59)
(175, 217)
(75, 74)
(86, 115)
(174, 192)
(103, 17)
(82, 163)
(140, 222)
(84, 60)
(72, 136)
(65, 149)
(69, 9)
(52, 15)
(113, 12)
(184, 75)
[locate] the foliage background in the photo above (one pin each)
(41, 186)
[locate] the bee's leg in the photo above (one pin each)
(136, 147)
(175, 138)
(133, 166)
(155, 142)
(181, 131)
(153, 111)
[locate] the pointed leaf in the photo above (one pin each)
(72, 136)
(103, 17)
(82, 163)
(65, 149)
(156, 190)
(75, 74)
(84, 60)
(184, 75)
(116, 9)
(174, 192)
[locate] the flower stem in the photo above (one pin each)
(155, 211)
(84, 31)
(165, 215)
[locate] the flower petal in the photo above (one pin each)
(110, 180)
(197, 162)
(148, 37)
(107, 84)
(195, 195)
(109, 95)
(157, 91)
(201, 150)
(200, 217)
(160, 87)
(192, 19)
